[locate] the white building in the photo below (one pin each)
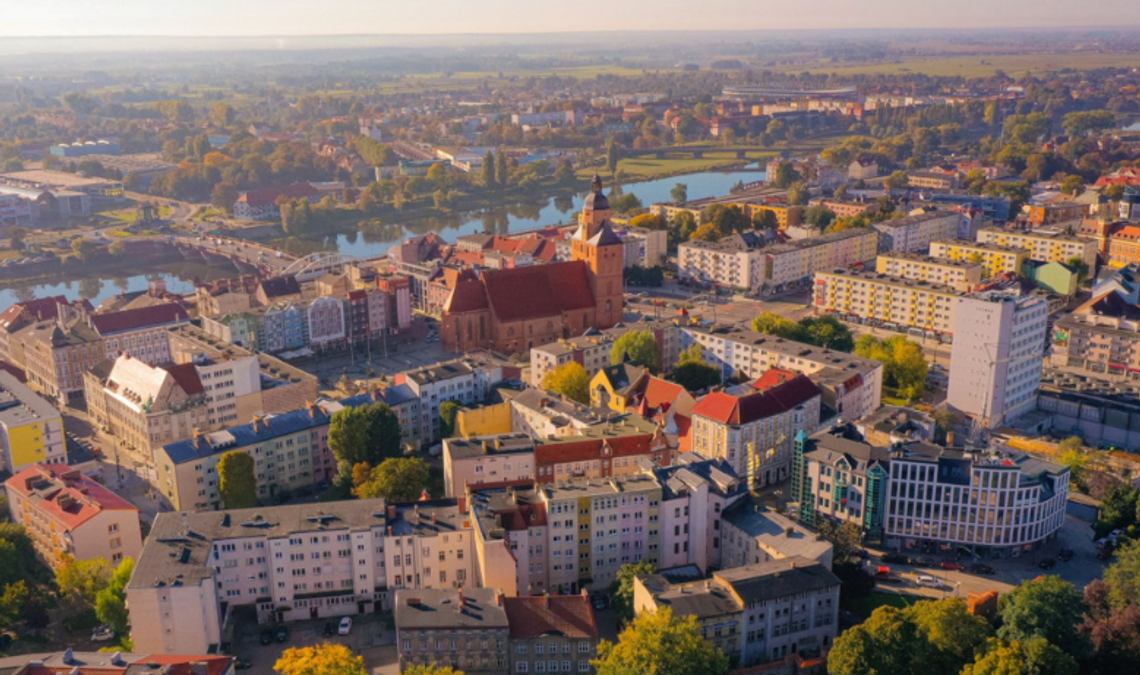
(997, 355)
(465, 381)
(327, 329)
(914, 234)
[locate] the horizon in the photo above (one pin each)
(405, 18)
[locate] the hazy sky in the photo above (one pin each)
(317, 17)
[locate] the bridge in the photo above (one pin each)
(749, 91)
(318, 264)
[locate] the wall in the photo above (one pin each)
(490, 419)
(174, 619)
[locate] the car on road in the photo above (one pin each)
(928, 581)
(242, 663)
(894, 558)
(600, 602)
(266, 636)
(329, 630)
(282, 633)
(1047, 564)
(345, 626)
(102, 634)
(952, 565)
(1065, 555)
(981, 568)
(923, 562)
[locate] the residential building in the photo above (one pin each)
(288, 563)
(23, 314)
(849, 209)
(68, 515)
(863, 167)
(752, 534)
(466, 381)
(733, 262)
(143, 406)
(238, 328)
(325, 317)
(1055, 212)
(1101, 337)
(1042, 246)
(31, 429)
(55, 356)
(889, 302)
(262, 204)
(1123, 246)
(932, 180)
(117, 663)
(786, 215)
(592, 348)
(961, 275)
(851, 386)
(996, 359)
(500, 458)
(891, 425)
(841, 479)
(914, 234)
(995, 260)
(226, 296)
(551, 633)
(753, 432)
(602, 451)
(139, 332)
(281, 327)
(465, 629)
(1053, 277)
(756, 614)
(794, 262)
(643, 247)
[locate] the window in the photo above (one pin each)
(521, 666)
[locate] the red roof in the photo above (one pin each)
(541, 290)
(527, 515)
(736, 410)
(468, 295)
(658, 391)
(773, 377)
(72, 499)
(579, 451)
(267, 196)
(186, 376)
(138, 319)
(565, 615)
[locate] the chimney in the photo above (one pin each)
(793, 563)
(463, 504)
(389, 530)
(68, 656)
(788, 532)
(391, 512)
(498, 597)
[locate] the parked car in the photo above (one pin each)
(894, 558)
(928, 581)
(102, 634)
(328, 631)
(282, 633)
(952, 565)
(1065, 555)
(1047, 564)
(600, 602)
(266, 636)
(345, 626)
(981, 568)
(242, 663)
(923, 562)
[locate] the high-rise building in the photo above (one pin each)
(997, 355)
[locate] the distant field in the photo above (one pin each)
(651, 167)
(984, 65)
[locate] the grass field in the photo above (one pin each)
(126, 216)
(984, 65)
(651, 167)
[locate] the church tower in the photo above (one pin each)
(603, 252)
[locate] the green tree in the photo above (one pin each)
(223, 196)
(679, 194)
(897, 180)
(659, 643)
(433, 669)
(846, 540)
(648, 221)
(237, 484)
(640, 347)
(1047, 607)
(323, 659)
(111, 602)
(765, 219)
(682, 228)
(489, 170)
(819, 217)
(786, 175)
(448, 411)
(887, 643)
(80, 581)
(367, 433)
(221, 114)
(83, 248)
(1118, 507)
(564, 174)
(569, 380)
(706, 232)
(904, 366)
(117, 247)
(16, 237)
(798, 194)
(774, 324)
(399, 479)
(696, 375)
(612, 157)
(956, 635)
(625, 203)
(1073, 185)
(1032, 657)
(1084, 122)
(621, 590)
(1078, 265)
(728, 219)
(1123, 576)
(827, 332)
(13, 600)
(502, 169)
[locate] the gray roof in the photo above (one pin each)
(426, 609)
(828, 447)
(777, 579)
(20, 405)
(495, 444)
(702, 599)
(776, 531)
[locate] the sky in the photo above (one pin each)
(29, 18)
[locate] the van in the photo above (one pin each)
(928, 581)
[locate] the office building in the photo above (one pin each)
(753, 534)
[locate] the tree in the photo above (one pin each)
(640, 347)
(1122, 578)
(612, 157)
(798, 194)
(682, 228)
(13, 601)
(887, 643)
(117, 247)
(819, 217)
(728, 219)
(1033, 657)
(223, 196)
(16, 237)
(904, 366)
(1073, 185)
(659, 643)
(564, 174)
(765, 219)
(621, 590)
(696, 375)
(647, 221)
(569, 380)
(448, 411)
(774, 324)
(706, 232)
(1083, 122)
(679, 194)
(625, 203)
(489, 170)
(323, 659)
(1112, 631)
(237, 484)
(399, 479)
(502, 169)
(433, 669)
(111, 602)
(221, 114)
(1118, 507)
(827, 332)
(786, 175)
(956, 635)
(897, 180)
(1078, 265)
(80, 581)
(367, 433)
(846, 540)
(1047, 607)
(83, 248)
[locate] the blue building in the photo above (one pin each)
(282, 328)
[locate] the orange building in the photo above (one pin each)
(515, 309)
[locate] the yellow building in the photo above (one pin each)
(995, 259)
(31, 429)
(885, 301)
(483, 421)
(960, 274)
(786, 216)
(1043, 247)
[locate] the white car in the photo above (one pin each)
(928, 581)
(345, 626)
(102, 634)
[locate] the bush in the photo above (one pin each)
(81, 621)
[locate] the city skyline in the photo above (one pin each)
(215, 18)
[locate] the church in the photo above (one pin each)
(513, 310)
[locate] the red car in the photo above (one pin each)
(951, 565)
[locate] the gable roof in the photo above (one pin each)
(576, 449)
(735, 410)
(136, 319)
(267, 196)
(66, 495)
(538, 291)
(277, 287)
(565, 615)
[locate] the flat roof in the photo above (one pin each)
(55, 178)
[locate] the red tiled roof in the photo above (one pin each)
(735, 410)
(658, 391)
(465, 258)
(578, 451)
(77, 500)
(773, 377)
(534, 616)
(468, 295)
(541, 290)
(136, 319)
(267, 196)
(186, 376)
(180, 664)
(527, 515)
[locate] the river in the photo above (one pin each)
(515, 218)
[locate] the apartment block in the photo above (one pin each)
(757, 614)
(994, 259)
(796, 261)
(592, 349)
(1043, 246)
(851, 385)
(31, 428)
(961, 275)
(893, 303)
(466, 629)
(997, 356)
(848, 209)
(915, 234)
(289, 563)
(752, 534)
(786, 215)
(466, 381)
(499, 458)
(1101, 336)
(733, 262)
(551, 633)
(68, 515)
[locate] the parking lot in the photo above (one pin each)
(370, 638)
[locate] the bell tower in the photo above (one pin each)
(603, 252)
(595, 212)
